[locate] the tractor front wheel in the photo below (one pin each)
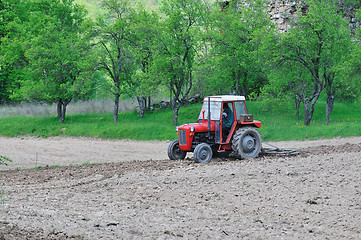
(174, 152)
(247, 142)
(202, 153)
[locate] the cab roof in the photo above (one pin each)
(224, 98)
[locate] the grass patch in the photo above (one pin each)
(2, 199)
(277, 125)
(283, 125)
(4, 160)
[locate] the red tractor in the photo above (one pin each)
(223, 126)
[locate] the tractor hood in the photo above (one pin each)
(186, 133)
(196, 127)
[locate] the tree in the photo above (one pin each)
(144, 82)
(353, 88)
(57, 54)
(13, 13)
(178, 45)
(317, 45)
(115, 54)
(4, 19)
(240, 30)
(335, 54)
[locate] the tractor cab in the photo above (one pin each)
(225, 111)
(220, 122)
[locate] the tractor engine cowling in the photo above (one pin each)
(186, 134)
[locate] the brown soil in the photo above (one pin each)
(130, 191)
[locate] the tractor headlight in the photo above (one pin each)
(176, 128)
(192, 129)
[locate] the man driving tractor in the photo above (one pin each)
(227, 118)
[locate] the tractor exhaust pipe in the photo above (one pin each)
(209, 116)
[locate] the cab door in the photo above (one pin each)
(225, 134)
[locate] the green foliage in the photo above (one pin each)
(92, 7)
(144, 82)
(47, 52)
(57, 57)
(310, 57)
(178, 45)
(115, 35)
(239, 33)
(12, 48)
(352, 89)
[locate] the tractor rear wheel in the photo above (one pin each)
(202, 153)
(174, 152)
(247, 142)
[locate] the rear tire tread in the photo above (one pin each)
(237, 144)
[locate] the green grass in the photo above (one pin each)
(277, 125)
(283, 125)
(154, 126)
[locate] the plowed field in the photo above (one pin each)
(96, 189)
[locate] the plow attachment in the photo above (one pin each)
(273, 150)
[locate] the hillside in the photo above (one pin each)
(93, 6)
(281, 12)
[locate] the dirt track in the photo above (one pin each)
(316, 195)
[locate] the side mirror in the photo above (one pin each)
(203, 111)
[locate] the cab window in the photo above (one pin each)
(240, 108)
(215, 111)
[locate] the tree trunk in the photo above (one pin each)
(329, 106)
(175, 114)
(171, 99)
(330, 92)
(308, 113)
(116, 107)
(149, 102)
(141, 103)
(59, 108)
(309, 109)
(65, 104)
(297, 104)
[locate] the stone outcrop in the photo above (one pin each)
(284, 12)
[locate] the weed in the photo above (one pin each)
(2, 199)
(38, 167)
(246, 184)
(4, 160)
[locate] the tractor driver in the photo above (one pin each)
(227, 118)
